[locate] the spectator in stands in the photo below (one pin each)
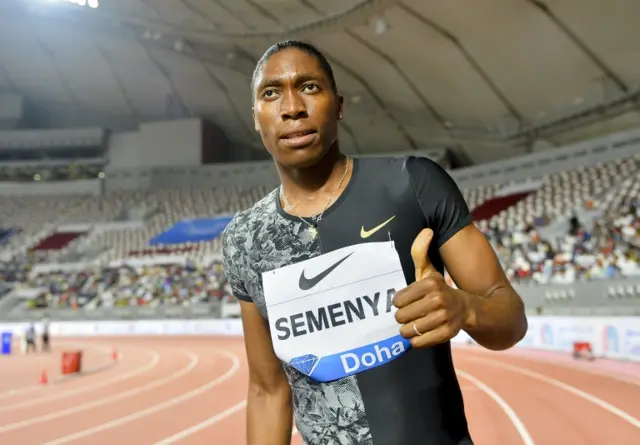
(130, 286)
(607, 252)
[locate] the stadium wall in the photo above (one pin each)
(263, 173)
(610, 337)
(158, 144)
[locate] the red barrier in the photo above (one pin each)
(582, 349)
(71, 362)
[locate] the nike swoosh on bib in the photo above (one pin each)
(368, 233)
(307, 283)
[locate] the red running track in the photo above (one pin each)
(191, 391)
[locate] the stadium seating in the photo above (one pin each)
(38, 216)
(559, 194)
(173, 206)
(625, 196)
(61, 172)
(129, 286)
(607, 250)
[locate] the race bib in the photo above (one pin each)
(333, 316)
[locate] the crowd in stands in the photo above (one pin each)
(66, 171)
(608, 251)
(603, 244)
(607, 246)
(126, 285)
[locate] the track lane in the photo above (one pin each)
(64, 416)
(552, 415)
(21, 372)
(218, 373)
(135, 366)
(182, 412)
(222, 415)
(490, 423)
(498, 422)
(619, 391)
(625, 371)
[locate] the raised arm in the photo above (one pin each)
(486, 306)
(498, 311)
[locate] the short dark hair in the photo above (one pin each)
(302, 46)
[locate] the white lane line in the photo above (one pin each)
(232, 410)
(105, 400)
(16, 391)
(238, 407)
(166, 404)
(207, 423)
(558, 384)
(511, 414)
(155, 359)
(621, 376)
(202, 425)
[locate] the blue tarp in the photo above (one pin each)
(192, 230)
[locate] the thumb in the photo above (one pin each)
(419, 250)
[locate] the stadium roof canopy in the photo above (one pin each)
(489, 76)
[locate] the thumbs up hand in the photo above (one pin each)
(430, 311)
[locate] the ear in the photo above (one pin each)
(340, 107)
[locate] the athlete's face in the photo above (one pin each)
(295, 109)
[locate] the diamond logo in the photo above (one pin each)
(304, 363)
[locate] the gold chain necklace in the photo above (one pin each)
(313, 227)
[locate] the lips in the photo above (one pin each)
(298, 139)
(297, 134)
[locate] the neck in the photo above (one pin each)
(319, 177)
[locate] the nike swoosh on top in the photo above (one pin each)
(307, 283)
(367, 233)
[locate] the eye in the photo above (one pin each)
(310, 88)
(269, 94)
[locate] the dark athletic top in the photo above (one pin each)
(412, 400)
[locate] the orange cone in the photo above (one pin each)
(43, 377)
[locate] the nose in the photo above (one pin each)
(292, 106)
